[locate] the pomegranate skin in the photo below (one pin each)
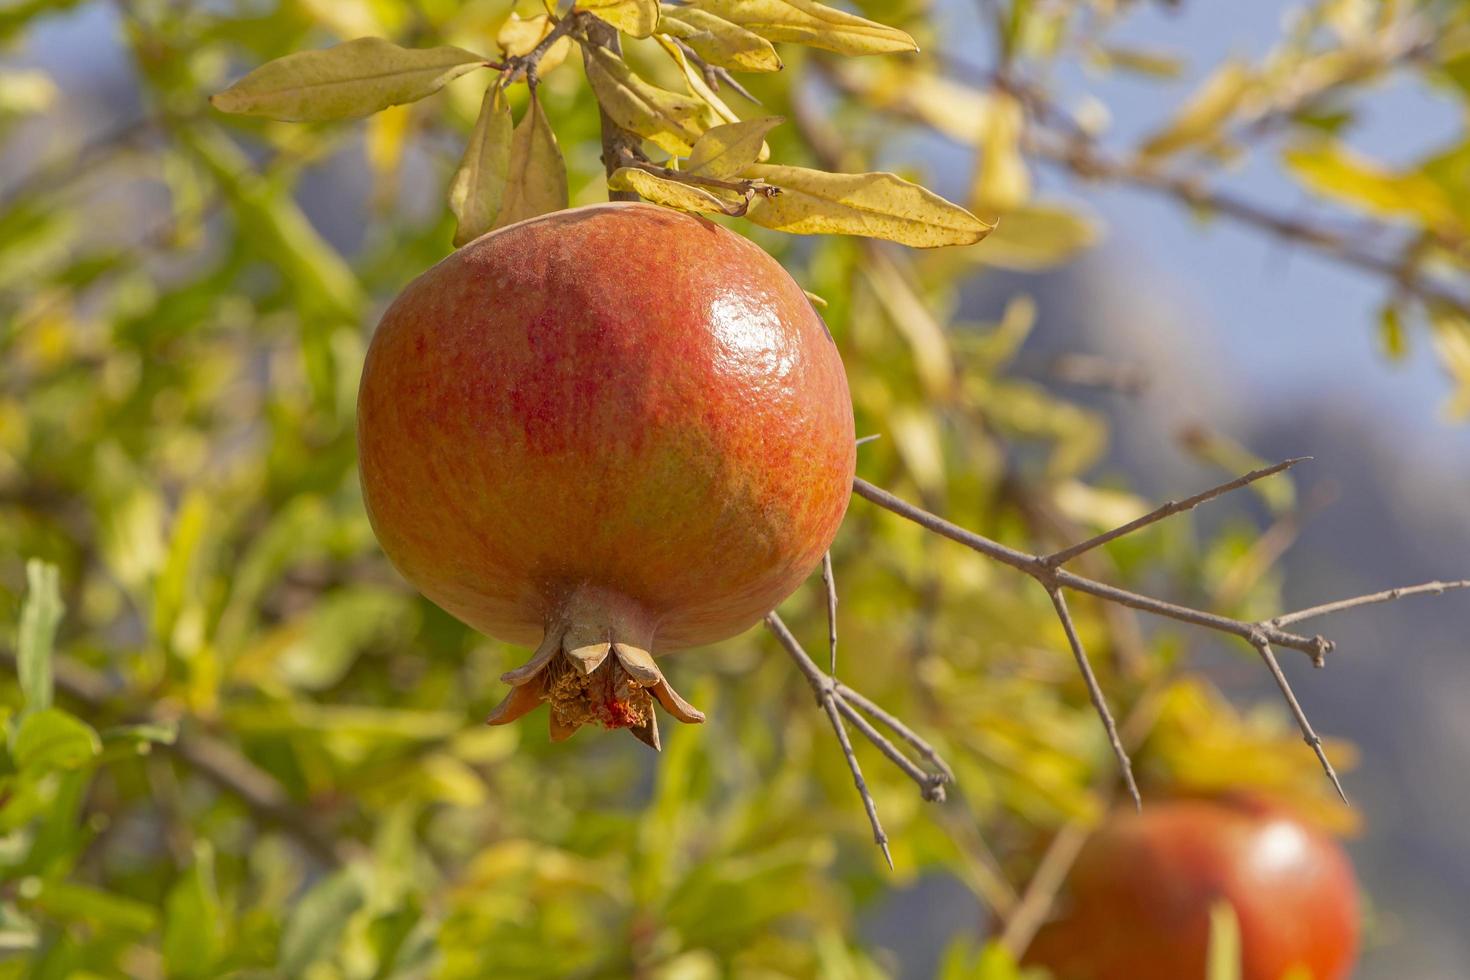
(1138, 901)
(618, 418)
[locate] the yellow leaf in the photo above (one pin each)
(537, 176)
(915, 431)
(1001, 180)
(1200, 119)
(1451, 337)
(724, 151)
(1335, 172)
(636, 18)
(479, 186)
(811, 23)
(955, 109)
(669, 193)
(718, 41)
(353, 79)
(518, 37)
(667, 118)
(876, 205)
(911, 316)
(384, 142)
(1036, 236)
(714, 112)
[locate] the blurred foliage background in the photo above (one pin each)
(263, 755)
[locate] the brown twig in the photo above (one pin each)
(829, 582)
(1308, 735)
(1387, 595)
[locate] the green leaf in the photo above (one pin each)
(536, 181)
(718, 41)
(72, 902)
(667, 118)
(669, 193)
(53, 739)
(725, 151)
(811, 23)
(147, 733)
(356, 78)
(876, 205)
(636, 18)
(1223, 956)
(193, 931)
(478, 189)
(39, 618)
(319, 920)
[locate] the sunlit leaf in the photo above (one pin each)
(811, 23)
(1332, 170)
(1223, 956)
(478, 189)
(725, 151)
(875, 205)
(667, 118)
(1002, 182)
(192, 926)
(40, 615)
(718, 41)
(53, 739)
(355, 78)
(636, 18)
(519, 36)
(319, 919)
(1201, 117)
(536, 180)
(669, 193)
(1036, 236)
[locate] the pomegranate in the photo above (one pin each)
(617, 431)
(1139, 897)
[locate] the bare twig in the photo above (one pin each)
(834, 698)
(1388, 595)
(1041, 889)
(1260, 635)
(1094, 691)
(1169, 510)
(830, 583)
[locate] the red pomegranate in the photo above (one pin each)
(1138, 901)
(615, 429)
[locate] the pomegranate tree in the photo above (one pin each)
(1138, 901)
(615, 431)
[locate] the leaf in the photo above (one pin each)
(876, 205)
(669, 193)
(714, 111)
(718, 41)
(536, 181)
(1223, 955)
(724, 151)
(1332, 170)
(72, 902)
(356, 78)
(478, 189)
(319, 920)
(1002, 182)
(667, 118)
(192, 925)
(811, 23)
(39, 618)
(1140, 61)
(1201, 117)
(53, 739)
(1036, 236)
(636, 18)
(1391, 336)
(519, 37)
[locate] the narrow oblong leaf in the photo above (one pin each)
(725, 151)
(813, 24)
(714, 111)
(875, 205)
(669, 193)
(1204, 113)
(478, 189)
(39, 618)
(718, 41)
(536, 180)
(668, 119)
(636, 18)
(352, 79)
(53, 739)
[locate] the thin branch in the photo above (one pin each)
(900, 729)
(1094, 691)
(216, 761)
(1041, 890)
(1169, 510)
(827, 697)
(830, 583)
(1308, 735)
(1388, 595)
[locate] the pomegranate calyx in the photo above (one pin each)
(572, 670)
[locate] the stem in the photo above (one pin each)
(617, 142)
